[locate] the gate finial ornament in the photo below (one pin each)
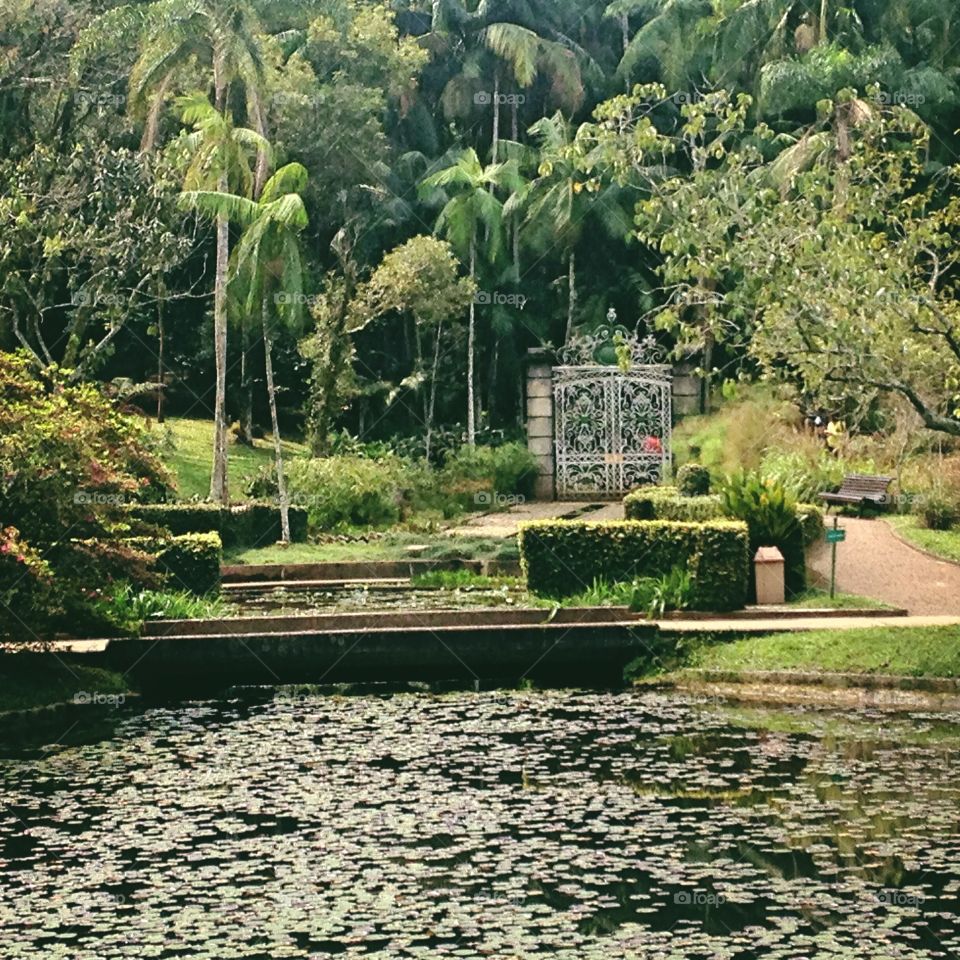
(607, 343)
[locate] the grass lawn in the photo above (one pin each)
(188, 452)
(393, 546)
(818, 599)
(941, 543)
(30, 681)
(902, 651)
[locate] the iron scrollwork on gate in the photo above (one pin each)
(612, 414)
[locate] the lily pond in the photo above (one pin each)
(505, 824)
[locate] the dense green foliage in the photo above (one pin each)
(665, 503)
(377, 491)
(561, 558)
(505, 128)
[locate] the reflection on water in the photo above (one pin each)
(561, 824)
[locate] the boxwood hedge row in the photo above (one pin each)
(245, 525)
(189, 562)
(561, 558)
(668, 503)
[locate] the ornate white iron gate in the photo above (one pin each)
(612, 425)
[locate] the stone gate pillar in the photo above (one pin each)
(540, 420)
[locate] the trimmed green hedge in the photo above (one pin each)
(667, 503)
(246, 525)
(190, 562)
(693, 480)
(561, 558)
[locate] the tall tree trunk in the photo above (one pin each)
(433, 390)
(822, 25)
(492, 381)
(160, 385)
(708, 345)
(496, 117)
(571, 294)
(275, 423)
(625, 36)
(471, 409)
(219, 490)
(514, 124)
(246, 387)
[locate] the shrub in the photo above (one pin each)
(245, 525)
(560, 557)
(812, 518)
(693, 480)
(69, 457)
(507, 471)
(666, 503)
(804, 472)
(69, 460)
(939, 512)
(27, 594)
(770, 512)
(190, 562)
(656, 595)
(357, 492)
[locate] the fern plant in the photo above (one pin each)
(769, 510)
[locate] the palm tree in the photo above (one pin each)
(268, 262)
(522, 38)
(472, 214)
(219, 164)
(561, 202)
(169, 35)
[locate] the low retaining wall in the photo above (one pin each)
(572, 654)
(250, 573)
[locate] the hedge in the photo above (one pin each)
(667, 503)
(247, 525)
(189, 562)
(561, 558)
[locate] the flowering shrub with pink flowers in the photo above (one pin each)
(70, 459)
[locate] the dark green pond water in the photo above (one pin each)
(500, 825)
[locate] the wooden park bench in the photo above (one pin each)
(859, 489)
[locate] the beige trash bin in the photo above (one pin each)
(769, 566)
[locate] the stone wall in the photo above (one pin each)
(540, 420)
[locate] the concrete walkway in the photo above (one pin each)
(797, 624)
(873, 562)
(505, 524)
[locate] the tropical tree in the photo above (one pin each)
(472, 217)
(169, 36)
(268, 278)
(419, 278)
(563, 201)
(219, 162)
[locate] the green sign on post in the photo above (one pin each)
(835, 535)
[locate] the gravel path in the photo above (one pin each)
(873, 562)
